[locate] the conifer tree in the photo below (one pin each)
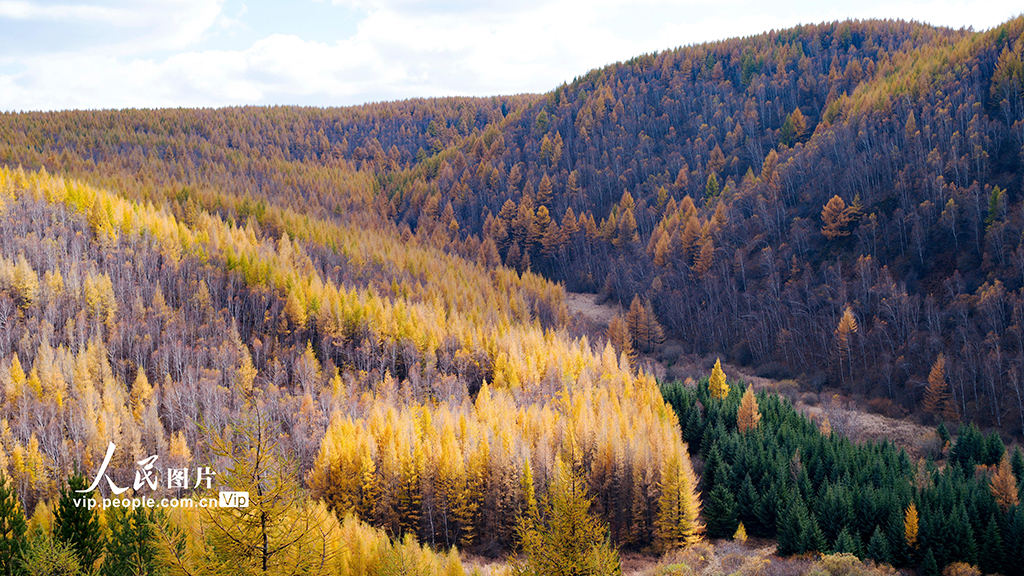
(717, 386)
(937, 398)
(834, 218)
(1004, 485)
(678, 506)
(846, 544)
(929, 566)
(619, 336)
(878, 546)
(720, 512)
(132, 548)
(991, 557)
(794, 533)
(910, 526)
(45, 555)
(77, 525)
(12, 528)
(741, 533)
(748, 416)
(567, 540)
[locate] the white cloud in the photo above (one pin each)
(400, 48)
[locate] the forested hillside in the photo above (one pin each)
(358, 315)
(753, 190)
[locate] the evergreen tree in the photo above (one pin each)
(943, 433)
(835, 511)
(720, 512)
(847, 544)
(929, 566)
(991, 556)
(746, 502)
(132, 547)
(767, 508)
(791, 529)
(1017, 465)
(12, 528)
(77, 525)
(878, 547)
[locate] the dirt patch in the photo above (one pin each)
(859, 426)
(586, 306)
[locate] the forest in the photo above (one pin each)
(359, 316)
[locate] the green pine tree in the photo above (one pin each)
(791, 531)
(929, 567)
(746, 503)
(878, 546)
(720, 512)
(77, 525)
(12, 529)
(847, 544)
(131, 550)
(991, 557)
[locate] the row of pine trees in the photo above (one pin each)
(777, 474)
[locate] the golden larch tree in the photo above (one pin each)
(1004, 485)
(834, 218)
(619, 336)
(717, 385)
(677, 523)
(937, 398)
(846, 328)
(748, 416)
(910, 525)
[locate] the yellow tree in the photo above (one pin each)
(910, 525)
(717, 385)
(677, 523)
(846, 328)
(834, 218)
(748, 416)
(567, 539)
(1004, 485)
(937, 398)
(619, 336)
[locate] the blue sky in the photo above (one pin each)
(169, 53)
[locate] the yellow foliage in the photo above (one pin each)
(748, 416)
(717, 385)
(910, 525)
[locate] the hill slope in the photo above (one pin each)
(696, 178)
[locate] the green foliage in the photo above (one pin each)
(720, 512)
(847, 544)
(878, 547)
(566, 540)
(12, 528)
(77, 525)
(132, 548)
(48, 556)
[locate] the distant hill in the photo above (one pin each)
(841, 201)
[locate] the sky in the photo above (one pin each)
(58, 55)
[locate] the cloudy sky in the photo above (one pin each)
(170, 53)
